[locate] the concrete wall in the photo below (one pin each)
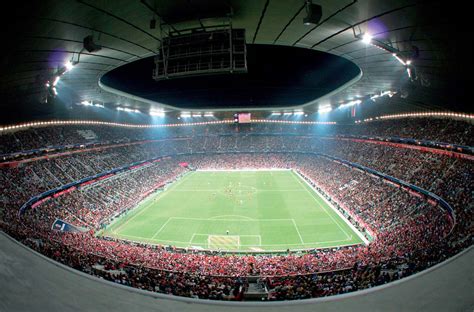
(32, 282)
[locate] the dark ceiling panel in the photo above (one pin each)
(39, 36)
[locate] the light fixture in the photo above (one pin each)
(367, 38)
(324, 108)
(399, 59)
(156, 113)
(351, 103)
(128, 110)
(56, 80)
(69, 65)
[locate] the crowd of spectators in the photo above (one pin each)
(439, 130)
(410, 232)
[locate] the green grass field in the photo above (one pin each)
(261, 210)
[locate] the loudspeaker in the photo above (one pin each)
(314, 14)
(89, 44)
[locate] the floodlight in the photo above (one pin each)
(157, 113)
(69, 65)
(367, 38)
(56, 80)
(324, 109)
(399, 59)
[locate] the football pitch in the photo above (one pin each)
(247, 211)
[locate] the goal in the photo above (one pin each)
(223, 242)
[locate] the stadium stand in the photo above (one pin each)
(411, 232)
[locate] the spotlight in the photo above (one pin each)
(313, 13)
(324, 109)
(55, 82)
(367, 38)
(156, 113)
(69, 65)
(399, 59)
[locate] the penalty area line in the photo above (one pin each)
(297, 231)
(161, 228)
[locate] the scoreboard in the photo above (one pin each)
(242, 118)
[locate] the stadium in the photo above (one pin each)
(236, 155)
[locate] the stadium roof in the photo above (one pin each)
(39, 37)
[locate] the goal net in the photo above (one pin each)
(223, 242)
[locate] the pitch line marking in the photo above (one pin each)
(311, 243)
(211, 219)
(191, 240)
(298, 231)
(161, 228)
(218, 217)
(342, 217)
(319, 204)
(147, 206)
(256, 189)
